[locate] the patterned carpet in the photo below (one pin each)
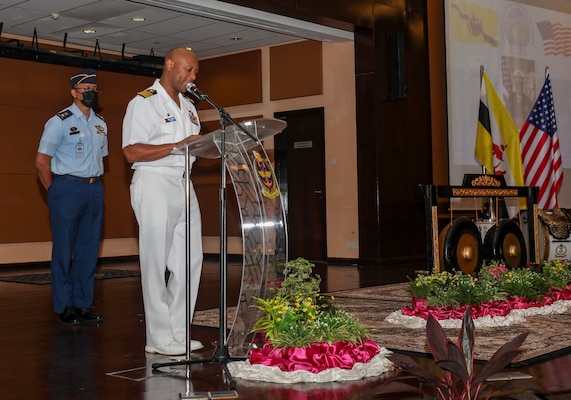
(45, 278)
(549, 334)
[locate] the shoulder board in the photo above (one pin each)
(64, 114)
(100, 117)
(147, 93)
(188, 98)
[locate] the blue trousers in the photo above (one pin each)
(76, 218)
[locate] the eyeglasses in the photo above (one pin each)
(85, 90)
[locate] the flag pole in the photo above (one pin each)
(481, 77)
(489, 214)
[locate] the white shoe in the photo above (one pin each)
(173, 349)
(195, 345)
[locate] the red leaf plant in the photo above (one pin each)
(455, 377)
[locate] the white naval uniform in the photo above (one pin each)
(158, 200)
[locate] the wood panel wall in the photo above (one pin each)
(36, 91)
(28, 98)
(232, 80)
(287, 81)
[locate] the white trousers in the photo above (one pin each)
(158, 200)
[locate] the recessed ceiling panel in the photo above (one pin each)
(126, 36)
(48, 26)
(100, 30)
(162, 42)
(210, 27)
(53, 6)
(244, 36)
(175, 25)
(103, 9)
(209, 31)
(150, 15)
(14, 16)
(8, 3)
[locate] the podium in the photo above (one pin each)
(262, 217)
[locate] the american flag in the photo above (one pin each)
(556, 38)
(541, 157)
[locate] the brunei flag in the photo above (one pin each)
(472, 24)
(497, 137)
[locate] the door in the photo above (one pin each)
(300, 170)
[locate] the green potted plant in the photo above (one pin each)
(496, 291)
(303, 330)
(297, 315)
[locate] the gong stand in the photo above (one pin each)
(221, 353)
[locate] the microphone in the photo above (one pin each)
(192, 88)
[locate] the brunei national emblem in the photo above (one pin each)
(266, 176)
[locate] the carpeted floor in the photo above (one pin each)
(549, 334)
(44, 277)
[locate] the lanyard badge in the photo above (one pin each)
(79, 147)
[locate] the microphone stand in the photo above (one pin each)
(221, 354)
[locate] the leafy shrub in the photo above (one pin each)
(297, 315)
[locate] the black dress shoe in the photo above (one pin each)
(86, 316)
(68, 317)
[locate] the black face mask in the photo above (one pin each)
(89, 99)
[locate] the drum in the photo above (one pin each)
(461, 246)
(505, 242)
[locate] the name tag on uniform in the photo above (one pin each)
(170, 119)
(79, 149)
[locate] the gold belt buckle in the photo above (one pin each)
(91, 180)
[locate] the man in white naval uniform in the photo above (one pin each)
(157, 120)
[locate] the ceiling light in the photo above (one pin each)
(138, 19)
(89, 31)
